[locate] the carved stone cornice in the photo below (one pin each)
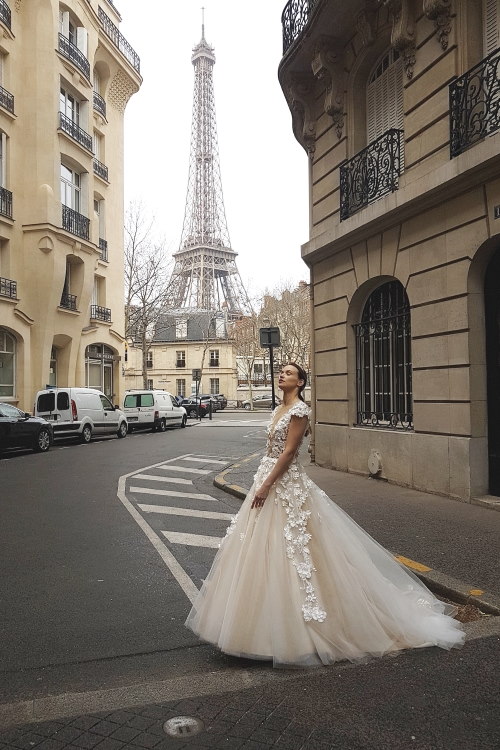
(301, 88)
(328, 68)
(403, 31)
(439, 11)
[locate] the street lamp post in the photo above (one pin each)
(269, 339)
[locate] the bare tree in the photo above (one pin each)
(288, 307)
(245, 334)
(146, 280)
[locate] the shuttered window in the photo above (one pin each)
(384, 98)
(491, 25)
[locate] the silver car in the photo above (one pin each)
(261, 402)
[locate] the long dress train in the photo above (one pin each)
(298, 582)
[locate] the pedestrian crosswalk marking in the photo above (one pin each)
(154, 478)
(192, 540)
(205, 460)
(167, 509)
(187, 469)
(171, 493)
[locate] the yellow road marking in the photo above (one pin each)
(476, 592)
(412, 564)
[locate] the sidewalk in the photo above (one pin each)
(452, 546)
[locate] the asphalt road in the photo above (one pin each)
(89, 600)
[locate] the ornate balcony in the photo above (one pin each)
(68, 301)
(475, 104)
(5, 13)
(100, 313)
(71, 52)
(372, 173)
(103, 247)
(75, 131)
(6, 100)
(119, 40)
(99, 104)
(100, 170)
(8, 288)
(75, 223)
(5, 202)
(294, 19)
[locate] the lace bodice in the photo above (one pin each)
(277, 429)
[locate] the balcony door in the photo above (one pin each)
(384, 98)
(492, 310)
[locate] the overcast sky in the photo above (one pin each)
(264, 169)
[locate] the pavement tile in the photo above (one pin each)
(47, 728)
(105, 727)
(146, 740)
(87, 740)
(27, 741)
(242, 730)
(51, 744)
(153, 712)
(251, 745)
(110, 744)
(157, 728)
(290, 743)
(140, 722)
(10, 735)
(125, 734)
(67, 734)
(266, 736)
(120, 717)
(85, 722)
(278, 723)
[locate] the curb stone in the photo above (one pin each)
(440, 583)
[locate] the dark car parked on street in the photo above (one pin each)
(221, 399)
(191, 407)
(18, 429)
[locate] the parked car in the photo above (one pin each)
(208, 397)
(18, 429)
(263, 401)
(191, 407)
(221, 399)
(156, 409)
(80, 412)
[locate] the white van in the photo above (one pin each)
(80, 412)
(153, 408)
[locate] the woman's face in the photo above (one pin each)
(289, 378)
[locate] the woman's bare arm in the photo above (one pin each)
(296, 430)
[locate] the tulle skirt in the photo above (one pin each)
(298, 582)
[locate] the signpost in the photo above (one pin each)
(196, 375)
(269, 338)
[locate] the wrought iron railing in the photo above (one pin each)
(119, 40)
(100, 169)
(265, 382)
(8, 288)
(68, 301)
(5, 202)
(71, 52)
(70, 127)
(100, 313)
(7, 99)
(294, 19)
(372, 173)
(475, 104)
(103, 247)
(75, 223)
(5, 13)
(99, 104)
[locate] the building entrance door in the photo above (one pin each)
(492, 310)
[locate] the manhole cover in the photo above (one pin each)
(183, 726)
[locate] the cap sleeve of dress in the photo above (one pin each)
(299, 410)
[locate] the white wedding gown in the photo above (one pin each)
(298, 582)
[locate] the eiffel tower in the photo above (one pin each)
(205, 276)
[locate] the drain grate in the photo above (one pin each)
(183, 726)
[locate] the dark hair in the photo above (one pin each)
(302, 376)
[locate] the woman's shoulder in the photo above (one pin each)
(300, 409)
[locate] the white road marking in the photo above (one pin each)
(192, 540)
(205, 460)
(185, 512)
(168, 558)
(187, 469)
(171, 493)
(154, 478)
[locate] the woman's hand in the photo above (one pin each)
(260, 496)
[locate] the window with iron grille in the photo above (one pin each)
(214, 386)
(180, 359)
(180, 386)
(214, 358)
(383, 354)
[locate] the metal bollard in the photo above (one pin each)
(210, 409)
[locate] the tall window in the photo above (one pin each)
(180, 387)
(214, 386)
(181, 328)
(180, 359)
(7, 364)
(214, 358)
(69, 106)
(53, 367)
(70, 188)
(150, 385)
(77, 35)
(149, 359)
(383, 352)
(384, 99)
(99, 360)
(491, 25)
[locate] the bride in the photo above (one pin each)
(297, 581)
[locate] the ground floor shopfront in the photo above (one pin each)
(407, 347)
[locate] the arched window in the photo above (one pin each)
(383, 359)
(7, 364)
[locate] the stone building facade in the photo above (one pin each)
(397, 105)
(67, 74)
